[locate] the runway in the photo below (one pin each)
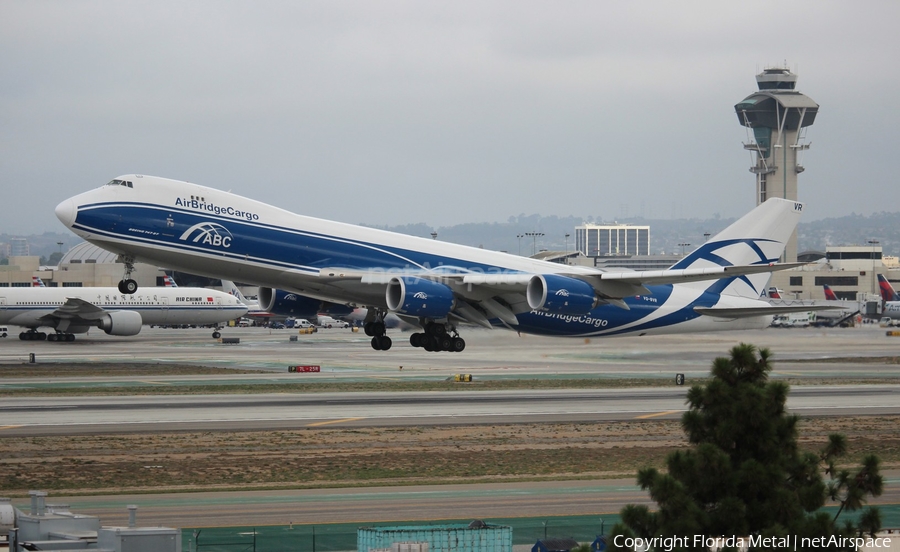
(370, 505)
(801, 355)
(489, 353)
(27, 416)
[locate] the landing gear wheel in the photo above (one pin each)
(373, 329)
(128, 286)
(445, 342)
(52, 337)
(381, 343)
(70, 337)
(457, 344)
(416, 339)
(216, 335)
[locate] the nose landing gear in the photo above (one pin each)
(127, 285)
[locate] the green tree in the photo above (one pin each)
(745, 474)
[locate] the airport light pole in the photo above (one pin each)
(520, 236)
(434, 235)
(567, 247)
(683, 245)
(534, 237)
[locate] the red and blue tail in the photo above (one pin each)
(887, 290)
(829, 295)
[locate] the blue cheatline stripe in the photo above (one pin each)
(260, 243)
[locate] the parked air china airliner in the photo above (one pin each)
(75, 310)
(437, 285)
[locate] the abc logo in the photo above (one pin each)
(208, 233)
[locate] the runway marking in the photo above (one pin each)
(645, 416)
(154, 382)
(9, 427)
(334, 422)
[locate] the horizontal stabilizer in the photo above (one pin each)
(749, 312)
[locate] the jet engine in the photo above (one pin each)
(419, 297)
(288, 303)
(121, 323)
(560, 294)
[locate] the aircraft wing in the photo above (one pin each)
(616, 285)
(76, 310)
(78, 313)
(483, 296)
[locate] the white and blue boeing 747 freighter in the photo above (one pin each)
(437, 285)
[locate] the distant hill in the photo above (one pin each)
(42, 245)
(665, 234)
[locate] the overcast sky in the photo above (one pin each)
(441, 112)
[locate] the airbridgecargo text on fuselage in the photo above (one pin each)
(213, 208)
(573, 318)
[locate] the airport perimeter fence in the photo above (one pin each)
(339, 537)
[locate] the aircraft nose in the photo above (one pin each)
(65, 212)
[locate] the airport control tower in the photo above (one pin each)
(778, 116)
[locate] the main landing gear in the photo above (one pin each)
(376, 329)
(437, 336)
(127, 285)
(34, 335)
(436, 339)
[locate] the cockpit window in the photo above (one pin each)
(120, 183)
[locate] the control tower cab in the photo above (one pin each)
(778, 116)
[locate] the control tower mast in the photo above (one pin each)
(778, 116)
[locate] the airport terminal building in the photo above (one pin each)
(84, 265)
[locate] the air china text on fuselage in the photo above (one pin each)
(432, 284)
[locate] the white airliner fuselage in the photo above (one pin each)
(196, 229)
(77, 309)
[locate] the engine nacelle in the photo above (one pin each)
(121, 323)
(560, 294)
(288, 303)
(419, 297)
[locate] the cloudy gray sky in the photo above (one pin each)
(441, 112)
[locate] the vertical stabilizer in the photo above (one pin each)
(229, 287)
(887, 290)
(759, 237)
